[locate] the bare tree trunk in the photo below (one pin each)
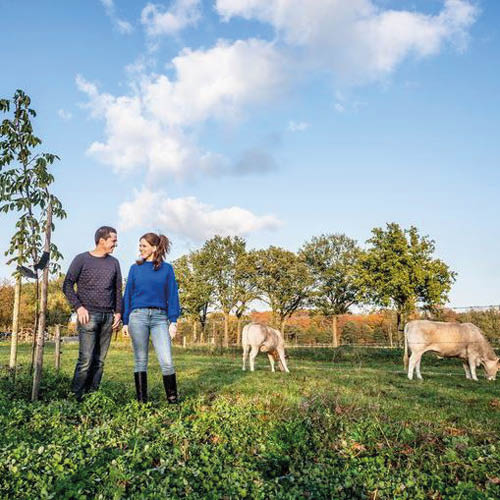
(37, 374)
(238, 331)
(195, 326)
(15, 326)
(57, 341)
(282, 327)
(399, 321)
(226, 329)
(335, 338)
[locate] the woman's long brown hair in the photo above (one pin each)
(162, 244)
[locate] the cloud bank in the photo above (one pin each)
(189, 217)
(153, 127)
(355, 39)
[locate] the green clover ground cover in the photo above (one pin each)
(344, 423)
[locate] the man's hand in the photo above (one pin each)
(116, 320)
(125, 330)
(172, 330)
(83, 315)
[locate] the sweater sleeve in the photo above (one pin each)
(127, 297)
(69, 282)
(173, 307)
(118, 290)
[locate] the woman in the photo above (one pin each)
(151, 309)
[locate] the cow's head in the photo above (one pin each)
(491, 367)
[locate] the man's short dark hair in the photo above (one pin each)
(104, 232)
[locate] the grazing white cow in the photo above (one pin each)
(255, 337)
(449, 340)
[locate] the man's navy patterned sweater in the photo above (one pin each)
(98, 281)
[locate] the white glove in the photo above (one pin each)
(172, 330)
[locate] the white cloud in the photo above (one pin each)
(298, 126)
(121, 25)
(152, 127)
(64, 115)
(190, 218)
(356, 39)
(159, 21)
(216, 82)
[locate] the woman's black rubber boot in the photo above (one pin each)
(141, 386)
(170, 384)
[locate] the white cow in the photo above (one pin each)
(449, 340)
(256, 336)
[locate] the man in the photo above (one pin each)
(98, 304)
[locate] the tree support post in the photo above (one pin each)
(40, 334)
(15, 327)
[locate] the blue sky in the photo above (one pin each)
(275, 120)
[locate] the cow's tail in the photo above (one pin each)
(405, 357)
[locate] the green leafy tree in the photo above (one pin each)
(332, 260)
(24, 188)
(245, 281)
(398, 270)
(195, 290)
(283, 281)
(221, 258)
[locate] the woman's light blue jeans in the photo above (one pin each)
(142, 324)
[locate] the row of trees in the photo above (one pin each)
(329, 274)
(58, 309)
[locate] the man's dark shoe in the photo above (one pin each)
(170, 384)
(141, 386)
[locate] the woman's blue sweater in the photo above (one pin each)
(149, 288)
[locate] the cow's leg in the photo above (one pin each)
(472, 367)
(253, 355)
(417, 366)
(467, 370)
(271, 360)
(411, 365)
(281, 354)
(246, 348)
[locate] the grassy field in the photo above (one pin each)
(344, 423)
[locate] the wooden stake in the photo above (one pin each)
(15, 326)
(40, 339)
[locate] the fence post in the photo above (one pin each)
(57, 340)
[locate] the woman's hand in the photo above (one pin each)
(172, 330)
(125, 330)
(116, 321)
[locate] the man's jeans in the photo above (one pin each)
(153, 322)
(95, 337)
